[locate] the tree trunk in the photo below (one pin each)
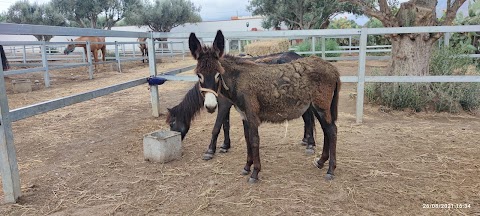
(410, 55)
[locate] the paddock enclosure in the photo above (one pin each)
(87, 158)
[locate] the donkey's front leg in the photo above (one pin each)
(255, 144)
(223, 117)
(212, 148)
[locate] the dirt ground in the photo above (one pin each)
(86, 159)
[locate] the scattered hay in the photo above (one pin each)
(267, 47)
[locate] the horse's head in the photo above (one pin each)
(70, 48)
(177, 123)
(209, 69)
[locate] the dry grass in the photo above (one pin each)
(86, 159)
(267, 47)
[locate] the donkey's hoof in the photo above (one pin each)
(309, 151)
(222, 150)
(252, 180)
(303, 142)
(316, 164)
(329, 177)
(207, 156)
(245, 172)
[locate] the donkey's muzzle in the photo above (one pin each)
(210, 102)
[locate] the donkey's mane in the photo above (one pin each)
(189, 107)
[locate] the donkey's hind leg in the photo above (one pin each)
(329, 143)
(309, 121)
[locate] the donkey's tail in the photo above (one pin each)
(334, 104)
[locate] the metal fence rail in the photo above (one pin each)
(8, 162)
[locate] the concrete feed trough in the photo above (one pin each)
(162, 146)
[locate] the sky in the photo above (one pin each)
(213, 10)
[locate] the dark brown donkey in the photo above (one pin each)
(143, 48)
(180, 116)
(270, 93)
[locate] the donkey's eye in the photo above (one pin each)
(200, 78)
(217, 77)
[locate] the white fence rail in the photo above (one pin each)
(46, 56)
(8, 162)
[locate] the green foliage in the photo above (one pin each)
(469, 41)
(376, 39)
(3, 17)
(163, 15)
(330, 45)
(440, 97)
(80, 13)
(306, 14)
(96, 13)
(23, 12)
(343, 23)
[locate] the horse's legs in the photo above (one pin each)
(223, 112)
(226, 129)
(249, 163)
(309, 119)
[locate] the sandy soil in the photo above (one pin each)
(86, 159)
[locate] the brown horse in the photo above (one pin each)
(93, 47)
(5, 65)
(143, 48)
(270, 93)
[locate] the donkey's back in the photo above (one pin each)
(286, 91)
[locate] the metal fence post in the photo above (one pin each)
(24, 54)
(183, 49)
(117, 58)
(350, 44)
(361, 74)
(446, 38)
(323, 47)
(84, 56)
(227, 46)
(153, 72)
(133, 50)
(239, 46)
(89, 59)
(8, 155)
(313, 45)
(46, 75)
(171, 50)
(123, 49)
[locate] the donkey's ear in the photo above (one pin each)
(194, 45)
(219, 43)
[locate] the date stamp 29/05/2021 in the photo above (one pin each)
(446, 205)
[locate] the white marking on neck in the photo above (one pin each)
(210, 100)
